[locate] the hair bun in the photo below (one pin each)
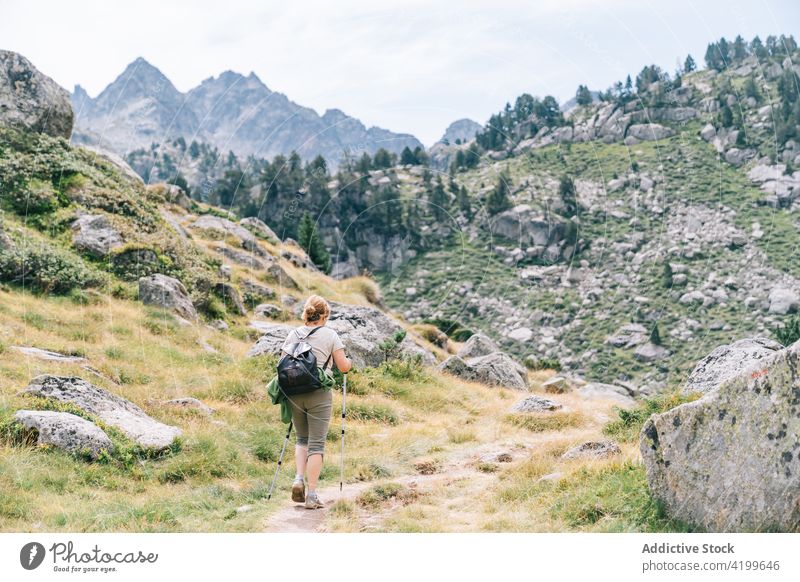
(315, 309)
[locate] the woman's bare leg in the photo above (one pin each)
(314, 465)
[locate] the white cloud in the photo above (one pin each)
(409, 66)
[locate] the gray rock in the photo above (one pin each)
(535, 404)
(593, 450)
(47, 354)
(93, 234)
(729, 361)
(268, 310)
(521, 334)
(256, 290)
(362, 330)
(31, 101)
(649, 131)
(783, 301)
(708, 132)
(222, 227)
(66, 431)
(556, 385)
(477, 345)
(271, 342)
(244, 258)
(619, 394)
(629, 336)
(230, 296)
(729, 461)
(109, 408)
(259, 227)
(498, 369)
(167, 292)
(650, 352)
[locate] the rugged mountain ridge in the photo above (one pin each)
(231, 112)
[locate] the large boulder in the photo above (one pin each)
(66, 431)
(477, 345)
(31, 101)
(94, 234)
(730, 461)
(613, 392)
(783, 301)
(494, 369)
(111, 409)
(222, 227)
(527, 227)
(729, 361)
(272, 338)
(361, 328)
(259, 227)
(648, 132)
(167, 292)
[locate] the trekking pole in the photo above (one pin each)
(280, 461)
(344, 399)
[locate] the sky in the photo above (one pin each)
(408, 66)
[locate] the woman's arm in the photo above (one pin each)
(342, 362)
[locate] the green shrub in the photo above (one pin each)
(410, 368)
(626, 428)
(790, 332)
(47, 268)
(375, 412)
(543, 364)
(36, 197)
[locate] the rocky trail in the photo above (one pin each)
(294, 518)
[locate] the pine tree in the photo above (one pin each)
(439, 201)
(583, 96)
(407, 157)
(464, 203)
(655, 335)
(666, 275)
(569, 197)
(498, 200)
(689, 65)
(311, 243)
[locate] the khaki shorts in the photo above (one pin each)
(311, 415)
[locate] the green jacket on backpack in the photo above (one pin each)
(278, 397)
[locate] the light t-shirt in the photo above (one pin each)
(323, 342)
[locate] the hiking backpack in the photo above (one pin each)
(297, 368)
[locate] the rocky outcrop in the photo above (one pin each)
(477, 345)
(729, 361)
(260, 228)
(494, 369)
(647, 132)
(66, 431)
(271, 340)
(618, 394)
(362, 330)
(730, 461)
(230, 297)
(109, 408)
(167, 292)
(222, 227)
(31, 101)
(93, 234)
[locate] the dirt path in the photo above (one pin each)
(294, 518)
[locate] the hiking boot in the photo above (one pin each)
(298, 491)
(312, 501)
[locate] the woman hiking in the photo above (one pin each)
(311, 412)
